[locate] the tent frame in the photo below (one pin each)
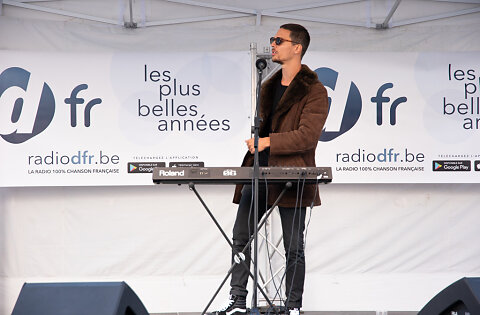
(237, 12)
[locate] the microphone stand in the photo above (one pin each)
(261, 64)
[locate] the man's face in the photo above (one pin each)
(285, 51)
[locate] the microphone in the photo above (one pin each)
(261, 64)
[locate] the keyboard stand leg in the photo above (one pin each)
(240, 256)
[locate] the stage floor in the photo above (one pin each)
(322, 313)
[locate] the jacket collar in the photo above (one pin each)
(297, 89)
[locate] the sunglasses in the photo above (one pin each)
(278, 41)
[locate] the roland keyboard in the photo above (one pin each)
(240, 175)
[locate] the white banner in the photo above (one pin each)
(107, 119)
(401, 117)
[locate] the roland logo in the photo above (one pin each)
(171, 173)
(229, 172)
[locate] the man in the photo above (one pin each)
(293, 108)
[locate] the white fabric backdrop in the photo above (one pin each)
(369, 247)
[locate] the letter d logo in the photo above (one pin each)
(345, 103)
(26, 106)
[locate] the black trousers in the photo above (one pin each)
(293, 226)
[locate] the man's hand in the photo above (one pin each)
(263, 143)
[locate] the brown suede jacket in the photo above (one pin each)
(296, 128)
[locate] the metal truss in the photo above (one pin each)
(230, 12)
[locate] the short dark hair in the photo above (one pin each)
(298, 34)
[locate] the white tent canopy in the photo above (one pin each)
(348, 25)
(370, 247)
(373, 13)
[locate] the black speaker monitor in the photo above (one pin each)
(461, 298)
(100, 298)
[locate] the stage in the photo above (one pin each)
(319, 313)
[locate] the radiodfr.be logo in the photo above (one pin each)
(345, 113)
(27, 105)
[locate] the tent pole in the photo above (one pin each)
(130, 24)
(384, 25)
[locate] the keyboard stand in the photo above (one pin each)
(240, 257)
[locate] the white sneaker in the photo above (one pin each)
(294, 311)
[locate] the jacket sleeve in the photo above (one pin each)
(312, 120)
